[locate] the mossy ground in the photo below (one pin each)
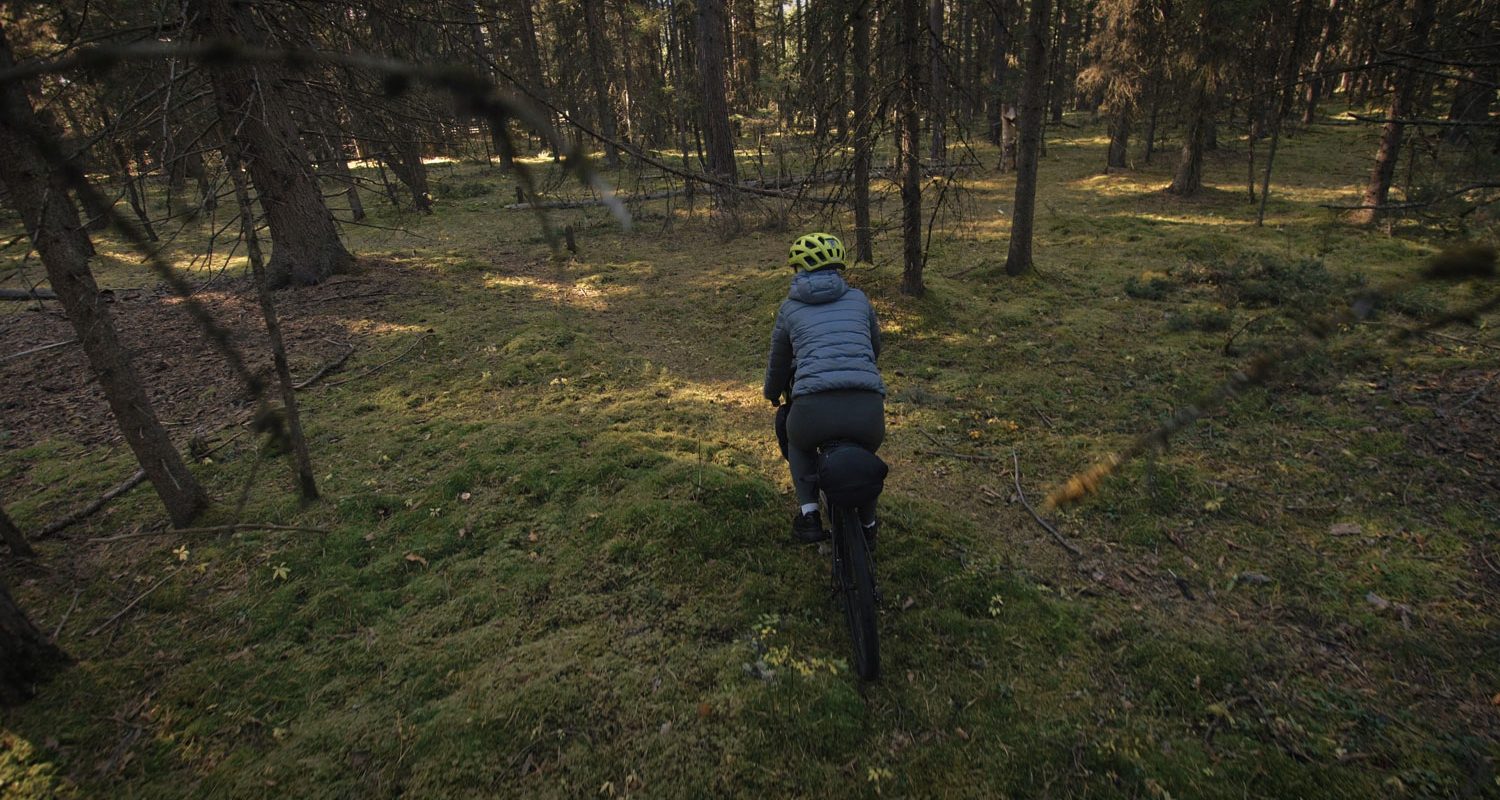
(557, 531)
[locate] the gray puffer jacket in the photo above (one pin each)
(826, 335)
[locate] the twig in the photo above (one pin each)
(242, 526)
(327, 368)
(92, 508)
(1459, 339)
(964, 456)
(56, 632)
(1182, 586)
(122, 612)
(1477, 392)
(1020, 493)
(1486, 560)
(382, 365)
(1229, 343)
(123, 487)
(38, 349)
(358, 296)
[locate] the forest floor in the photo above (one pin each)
(557, 559)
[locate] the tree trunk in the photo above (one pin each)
(26, 657)
(997, 74)
(598, 66)
(1119, 138)
(627, 76)
(748, 51)
(531, 53)
(301, 460)
(197, 169)
(133, 192)
(13, 538)
(305, 245)
(1287, 78)
(1189, 177)
(720, 140)
(1472, 99)
(338, 161)
(911, 134)
(1149, 148)
(404, 155)
(860, 25)
(1379, 187)
(1055, 90)
(53, 224)
(1314, 91)
(937, 107)
(1033, 106)
(837, 72)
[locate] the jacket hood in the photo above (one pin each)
(823, 286)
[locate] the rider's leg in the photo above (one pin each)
(804, 465)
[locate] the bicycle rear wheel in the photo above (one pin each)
(855, 575)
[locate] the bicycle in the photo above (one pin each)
(849, 478)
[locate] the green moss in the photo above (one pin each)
(552, 528)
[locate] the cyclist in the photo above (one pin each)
(827, 336)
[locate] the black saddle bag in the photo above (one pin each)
(850, 475)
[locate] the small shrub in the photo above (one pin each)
(1210, 321)
(466, 190)
(1150, 286)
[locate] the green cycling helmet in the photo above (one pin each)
(816, 251)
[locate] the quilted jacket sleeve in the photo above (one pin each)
(779, 365)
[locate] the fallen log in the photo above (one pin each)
(38, 349)
(48, 294)
(325, 369)
(27, 294)
(90, 509)
(757, 186)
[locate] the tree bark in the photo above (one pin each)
(1379, 187)
(1287, 77)
(530, 51)
(13, 538)
(301, 460)
(599, 60)
(338, 161)
(719, 139)
(53, 224)
(860, 25)
(305, 244)
(749, 51)
(1189, 177)
(133, 190)
(1472, 100)
(1149, 148)
(197, 169)
(404, 155)
(937, 107)
(1033, 105)
(1055, 85)
(911, 134)
(1119, 139)
(1315, 84)
(998, 58)
(26, 656)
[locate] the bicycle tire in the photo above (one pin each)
(855, 577)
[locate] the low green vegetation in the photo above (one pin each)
(556, 561)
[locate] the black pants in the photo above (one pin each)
(852, 414)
